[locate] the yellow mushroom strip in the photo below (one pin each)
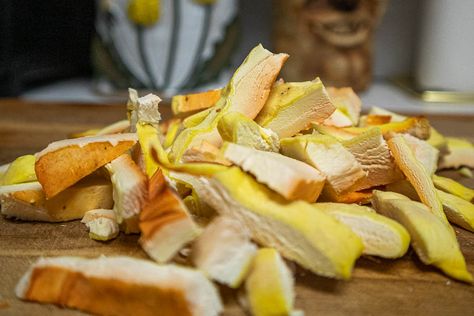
(453, 187)
(416, 174)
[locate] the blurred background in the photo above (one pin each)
(91, 51)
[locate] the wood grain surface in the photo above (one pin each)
(378, 287)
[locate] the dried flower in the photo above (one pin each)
(144, 12)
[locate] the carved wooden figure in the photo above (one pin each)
(332, 39)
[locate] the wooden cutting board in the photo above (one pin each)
(378, 286)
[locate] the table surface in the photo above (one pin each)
(378, 287)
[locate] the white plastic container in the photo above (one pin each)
(445, 58)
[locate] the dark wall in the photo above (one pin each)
(43, 40)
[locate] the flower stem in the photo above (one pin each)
(146, 65)
(174, 42)
(192, 77)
